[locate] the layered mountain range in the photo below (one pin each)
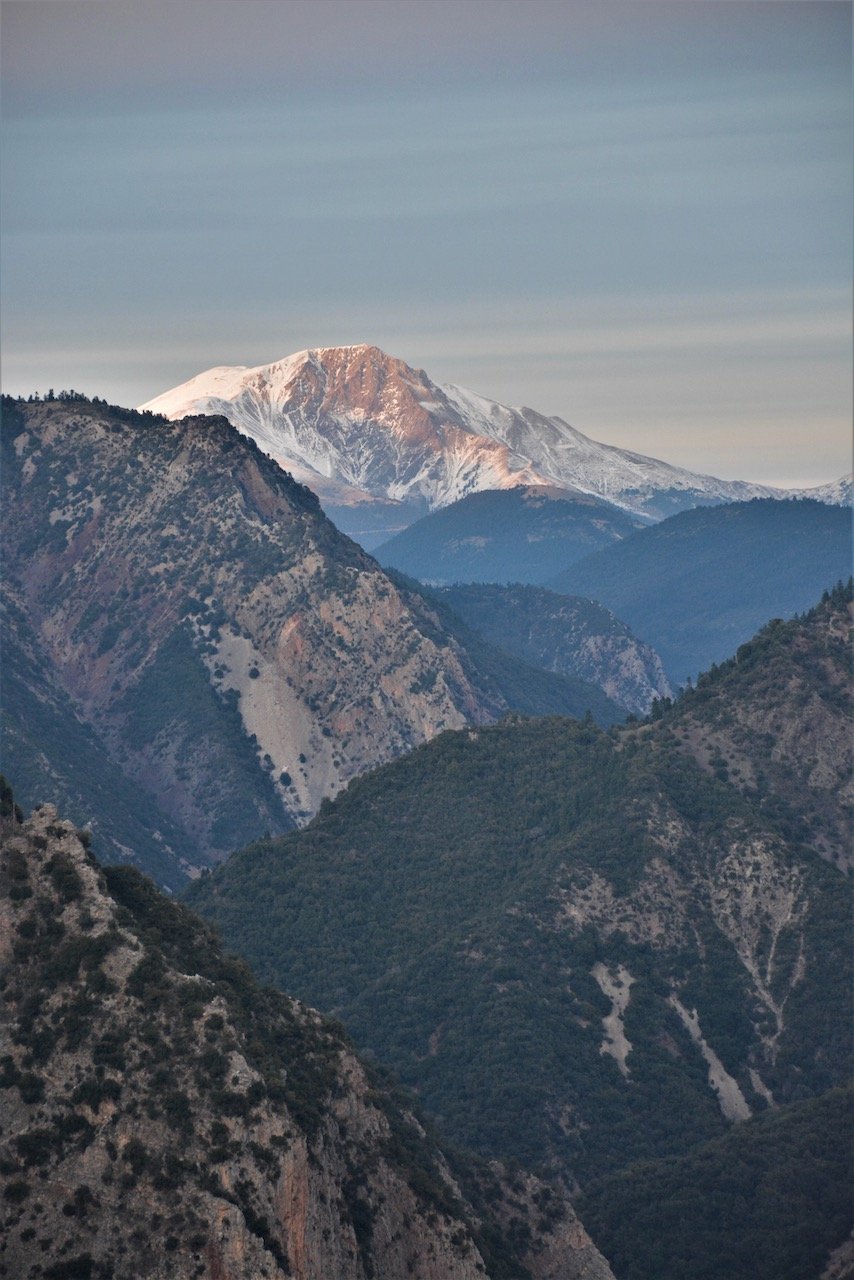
(167, 1118)
(363, 428)
(587, 948)
(526, 534)
(699, 584)
(611, 956)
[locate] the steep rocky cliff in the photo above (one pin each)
(235, 656)
(166, 1118)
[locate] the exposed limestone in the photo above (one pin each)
(840, 1265)
(617, 987)
(732, 1101)
(654, 912)
(566, 634)
(760, 1087)
(755, 900)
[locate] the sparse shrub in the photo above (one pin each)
(36, 1146)
(79, 1268)
(16, 1191)
(16, 865)
(176, 1108)
(65, 877)
(31, 1088)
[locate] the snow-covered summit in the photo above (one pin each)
(357, 417)
(356, 424)
(839, 493)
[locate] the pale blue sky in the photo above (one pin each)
(637, 216)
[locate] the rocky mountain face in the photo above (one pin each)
(525, 534)
(354, 423)
(528, 687)
(566, 634)
(236, 657)
(582, 948)
(698, 585)
(165, 1117)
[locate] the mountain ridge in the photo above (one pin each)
(525, 534)
(699, 584)
(566, 634)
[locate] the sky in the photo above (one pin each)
(634, 215)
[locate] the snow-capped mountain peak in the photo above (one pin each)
(356, 416)
(358, 425)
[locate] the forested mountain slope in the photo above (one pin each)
(523, 534)
(581, 947)
(770, 1200)
(566, 634)
(165, 1117)
(528, 686)
(775, 721)
(699, 584)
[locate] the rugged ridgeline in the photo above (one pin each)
(582, 948)
(179, 599)
(569, 635)
(166, 1117)
(514, 535)
(362, 428)
(698, 585)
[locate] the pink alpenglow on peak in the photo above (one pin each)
(359, 426)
